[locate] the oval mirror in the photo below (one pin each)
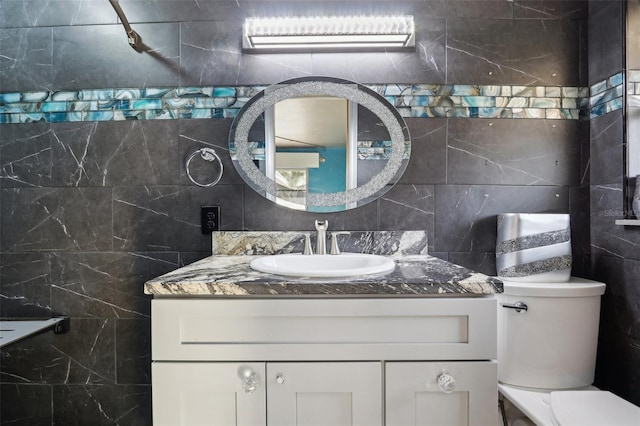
(319, 144)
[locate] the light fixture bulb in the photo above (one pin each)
(328, 32)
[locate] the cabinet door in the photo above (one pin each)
(414, 395)
(208, 394)
(324, 394)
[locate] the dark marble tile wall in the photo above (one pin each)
(615, 249)
(89, 211)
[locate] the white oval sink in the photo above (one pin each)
(324, 265)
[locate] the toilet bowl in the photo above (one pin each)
(547, 340)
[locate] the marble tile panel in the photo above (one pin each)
(579, 206)
(513, 152)
(427, 63)
(72, 219)
(196, 134)
(186, 258)
(475, 9)
(607, 152)
(550, 9)
(25, 155)
(617, 365)
(605, 39)
(408, 207)
(115, 153)
(618, 353)
(133, 351)
(83, 53)
(83, 355)
(26, 59)
(621, 302)
(427, 164)
(540, 52)
(49, 13)
(222, 10)
(273, 68)
(183, 10)
(167, 218)
(105, 285)
(26, 404)
(102, 405)
(581, 266)
(25, 285)
(465, 215)
(261, 214)
(607, 205)
(211, 52)
(484, 262)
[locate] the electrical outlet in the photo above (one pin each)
(210, 219)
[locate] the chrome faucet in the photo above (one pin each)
(334, 241)
(321, 238)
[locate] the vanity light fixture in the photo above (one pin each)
(328, 33)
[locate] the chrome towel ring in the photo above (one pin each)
(207, 154)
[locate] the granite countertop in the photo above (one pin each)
(231, 275)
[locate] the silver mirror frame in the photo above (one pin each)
(318, 86)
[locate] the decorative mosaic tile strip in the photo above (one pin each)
(606, 96)
(417, 100)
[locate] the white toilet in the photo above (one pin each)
(547, 340)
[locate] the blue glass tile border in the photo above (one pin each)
(606, 96)
(411, 100)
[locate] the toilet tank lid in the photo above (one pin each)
(575, 287)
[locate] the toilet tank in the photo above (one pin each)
(552, 344)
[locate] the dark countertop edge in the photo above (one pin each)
(279, 286)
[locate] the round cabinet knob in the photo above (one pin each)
(446, 383)
(249, 379)
(280, 378)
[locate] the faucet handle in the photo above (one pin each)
(307, 246)
(334, 241)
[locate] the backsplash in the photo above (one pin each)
(273, 242)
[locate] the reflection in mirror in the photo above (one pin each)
(320, 147)
(311, 135)
(632, 112)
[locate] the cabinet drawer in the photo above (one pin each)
(467, 396)
(323, 329)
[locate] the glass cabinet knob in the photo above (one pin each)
(249, 379)
(280, 378)
(446, 383)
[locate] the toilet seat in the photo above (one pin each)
(579, 407)
(592, 408)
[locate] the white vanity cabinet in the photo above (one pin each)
(324, 361)
(208, 393)
(299, 393)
